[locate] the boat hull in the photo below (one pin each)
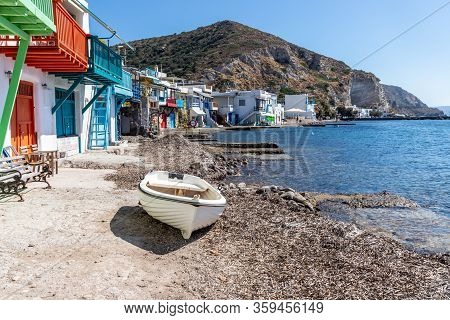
(185, 216)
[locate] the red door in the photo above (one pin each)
(163, 121)
(22, 119)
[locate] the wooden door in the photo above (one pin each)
(22, 119)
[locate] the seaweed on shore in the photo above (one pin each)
(268, 246)
(174, 153)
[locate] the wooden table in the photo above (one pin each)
(50, 156)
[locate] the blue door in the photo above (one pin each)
(65, 115)
(172, 120)
(98, 133)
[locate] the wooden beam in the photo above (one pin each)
(13, 28)
(12, 90)
(68, 93)
(14, 11)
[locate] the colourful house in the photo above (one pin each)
(21, 19)
(68, 76)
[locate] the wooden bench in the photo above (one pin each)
(16, 172)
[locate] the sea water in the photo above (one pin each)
(409, 158)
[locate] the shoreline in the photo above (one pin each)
(329, 122)
(87, 238)
(273, 217)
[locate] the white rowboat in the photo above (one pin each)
(182, 201)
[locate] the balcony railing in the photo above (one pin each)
(125, 88)
(34, 17)
(104, 62)
(44, 6)
(137, 94)
(180, 103)
(104, 65)
(63, 51)
(170, 102)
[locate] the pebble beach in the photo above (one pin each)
(273, 242)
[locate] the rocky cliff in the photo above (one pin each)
(229, 55)
(401, 101)
(367, 92)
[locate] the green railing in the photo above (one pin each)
(45, 6)
(26, 17)
(104, 61)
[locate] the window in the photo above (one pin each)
(241, 103)
(65, 115)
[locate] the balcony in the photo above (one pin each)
(33, 17)
(180, 103)
(170, 102)
(125, 88)
(104, 65)
(63, 51)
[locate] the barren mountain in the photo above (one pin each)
(229, 55)
(406, 103)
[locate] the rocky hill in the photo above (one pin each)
(406, 103)
(445, 109)
(230, 55)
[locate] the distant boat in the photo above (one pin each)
(182, 201)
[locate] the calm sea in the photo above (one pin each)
(410, 158)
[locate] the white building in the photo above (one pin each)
(360, 112)
(299, 106)
(202, 109)
(256, 107)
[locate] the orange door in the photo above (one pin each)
(22, 120)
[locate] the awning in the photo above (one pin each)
(295, 110)
(198, 111)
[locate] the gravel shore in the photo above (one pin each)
(273, 242)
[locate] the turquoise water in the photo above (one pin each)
(410, 158)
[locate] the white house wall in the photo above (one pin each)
(43, 99)
(250, 104)
(297, 101)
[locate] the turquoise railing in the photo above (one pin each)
(104, 61)
(180, 103)
(125, 88)
(127, 82)
(152, 72)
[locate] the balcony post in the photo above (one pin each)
(13, 87)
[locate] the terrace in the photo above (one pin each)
(125, 88)
(63, 51)
(26, 17)
(104, 65)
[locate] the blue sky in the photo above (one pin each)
(346, 30)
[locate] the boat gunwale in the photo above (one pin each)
(187, 201)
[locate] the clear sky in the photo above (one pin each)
(347, 30)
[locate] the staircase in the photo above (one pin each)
(99, 128)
